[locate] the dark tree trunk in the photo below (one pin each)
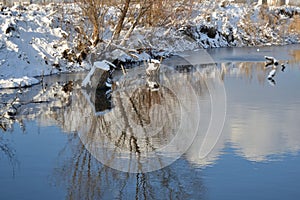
(95, 36)
(121, 20)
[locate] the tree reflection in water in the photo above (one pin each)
(140, 122)
(8, 152)
(87, 178)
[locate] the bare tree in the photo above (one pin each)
(163, 13)
(121, 19)
(145, 12)
(145, 5)
(95, 11)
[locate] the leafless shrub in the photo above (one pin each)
(123, 12)
(294, 26)
(95, 11)
(167, 12)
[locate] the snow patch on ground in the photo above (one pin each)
(32, 41)
(18, 82)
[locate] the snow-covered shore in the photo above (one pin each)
(37, 40)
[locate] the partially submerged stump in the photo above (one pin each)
(98, 75)
(97, 85)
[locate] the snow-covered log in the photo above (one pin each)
(98, 75)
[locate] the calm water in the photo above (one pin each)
(77, 148)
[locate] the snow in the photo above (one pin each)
(102, 65)
(272, 73)
(153, 66)
(18, 82)
(154, 61)
(33, 40)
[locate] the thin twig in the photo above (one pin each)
(123, 70)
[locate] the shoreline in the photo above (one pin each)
(36, 41)
(256, 54)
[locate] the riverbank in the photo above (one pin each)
(43, 40)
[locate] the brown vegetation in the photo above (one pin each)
(146, 12)
(95, 11)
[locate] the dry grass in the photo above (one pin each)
(294, 26)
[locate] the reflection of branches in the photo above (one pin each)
(6, 149)
(137, 114)
(8, 152)
(141, 102)
(86, 178)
